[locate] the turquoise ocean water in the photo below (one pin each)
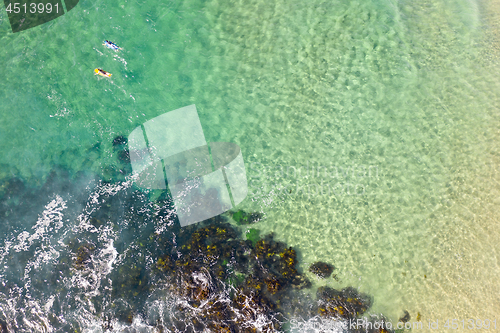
(369, 132)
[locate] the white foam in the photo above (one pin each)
(47, 224)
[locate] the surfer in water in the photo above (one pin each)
(112, 45)
(101, 72)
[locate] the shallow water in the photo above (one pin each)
(369, 131)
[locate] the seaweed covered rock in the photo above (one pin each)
(200, 257)
(130, 281)
(83, 257)
(206, 260)
(227, 284)
(253, 236)
(241, 311)
(120, 140)
(406, 317)
(131, 277)
(241, 217)
(346, 303)
(11, 186)
(280, 263)
(252, 307)
(124, 155)
(321, 269)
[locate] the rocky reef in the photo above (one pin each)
(235, 285)
(221, 276)
(346, 303)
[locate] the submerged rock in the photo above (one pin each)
(321, 269)
(83, 259)
(130, 279)
(346, 304)
(124, 156)
(202, 264)
(241, 217)
(120, 140)
(253, 236)
(406, 317)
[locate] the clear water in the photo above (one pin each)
(397, 101)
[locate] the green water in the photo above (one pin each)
(402, 89)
